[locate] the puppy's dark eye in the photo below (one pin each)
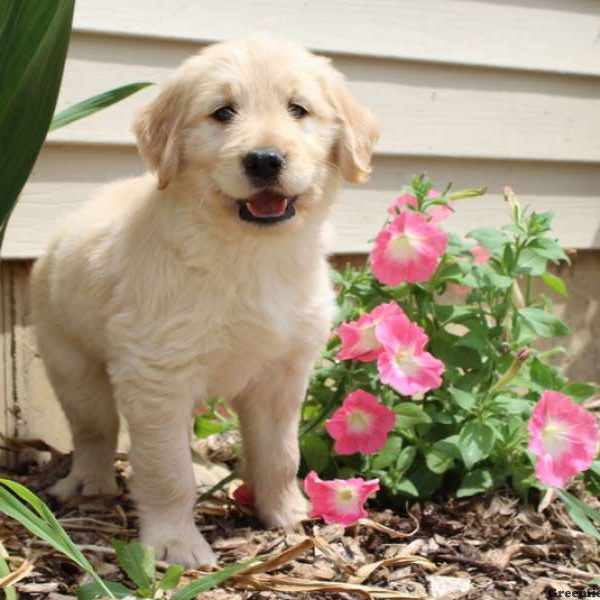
(224, 114)
(297, 111)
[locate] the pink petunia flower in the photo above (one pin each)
(564, 436)
(407, 250)
(338, 500)
(435, 214)
(404, 364)
(361, 424)
(358, 337)
(242, 495)
(480, 254)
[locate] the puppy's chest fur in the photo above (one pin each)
(222, 328)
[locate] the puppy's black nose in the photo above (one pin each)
(263, 164)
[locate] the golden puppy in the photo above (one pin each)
(208, 278)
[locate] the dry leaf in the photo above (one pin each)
(439, 587)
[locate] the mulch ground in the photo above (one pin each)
(483, 548)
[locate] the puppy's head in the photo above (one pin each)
(262, 129)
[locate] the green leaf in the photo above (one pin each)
(137, 562)
(204, 584)
(405, 459)
(531, 263)
(443, 346)
(92, 590)
(171, 577)
(542, 323)
(40, 521)
(475, 442)
(547, 248)
(315, 452)
(581, 513)
(96, 103)
(9, 591)
(493, 279)
(410, 414)
(542, 374)
(539, 222)
(408, 488)
(465, 400)
(440, 457)
(205, 426)
(492, 240)
(34, 37)
(424, 480)
(510, 405)
(555, 283)
(388, 454)
(579, 391)
(475, 482)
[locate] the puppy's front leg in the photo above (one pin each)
(269, 414)
(163, 483)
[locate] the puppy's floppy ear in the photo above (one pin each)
(158, 132)
(359, 132)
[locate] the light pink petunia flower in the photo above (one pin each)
(407, 250)
(435, 214)
(404, 364)
(361, 424)
(564, 436)
(338, 500)
(480, 254)
(358, 337)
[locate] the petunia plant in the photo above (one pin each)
(434, 368)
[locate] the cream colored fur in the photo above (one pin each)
(155, 296)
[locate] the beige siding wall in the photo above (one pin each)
(477, 92)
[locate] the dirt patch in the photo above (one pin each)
(483, 548)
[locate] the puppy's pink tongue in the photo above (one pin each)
(267, 204)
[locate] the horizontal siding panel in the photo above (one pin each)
(65, 176)
(425, 110)
(546, 35)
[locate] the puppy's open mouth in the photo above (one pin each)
(267, 206)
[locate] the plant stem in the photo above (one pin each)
(219, 485)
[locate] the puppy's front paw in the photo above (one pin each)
(285, 510)
(185, 547)
(91, 484)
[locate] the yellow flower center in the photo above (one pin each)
(404, 246)
(345, 499)
(358, 421)
(554, 438)
(367, 340)
(405, 361)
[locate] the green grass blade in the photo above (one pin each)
(171, 577)
(581, 513)
(191, 590)
(33, 46)
(10, 592)
(95, 103)
(92, 590)
(42, 523)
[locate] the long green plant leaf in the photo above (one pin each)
(24, 506)
(95, 103)
(191, 590)
(581, 513)
(34, 37)
(9, 590)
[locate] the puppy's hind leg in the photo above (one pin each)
(84, 391)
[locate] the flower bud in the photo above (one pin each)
(520, 357)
